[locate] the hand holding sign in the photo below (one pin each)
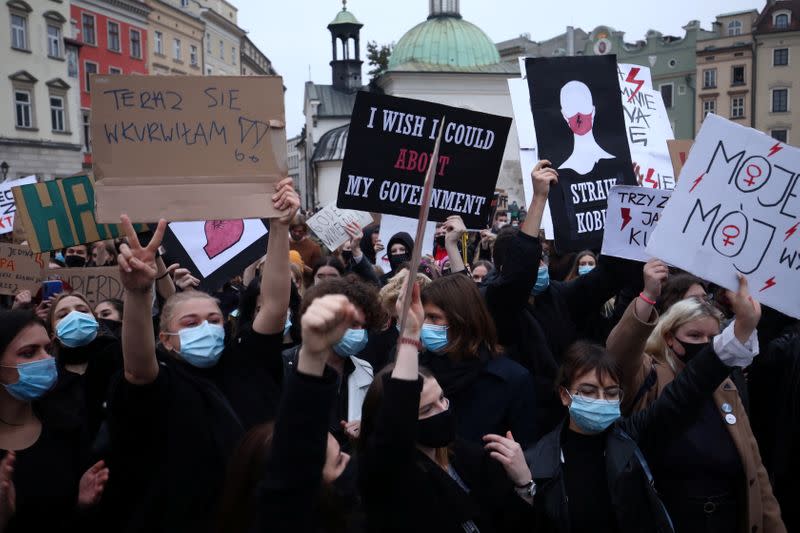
(656, 273)
(286, 200)
(746, 309)
(137, 264)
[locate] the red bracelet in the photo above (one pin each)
(412, 342)
(646, 299)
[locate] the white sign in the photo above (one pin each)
(8, 207)
(330, 222)
(392, 224)
(213, 243)
(631, 217)
(736, 210)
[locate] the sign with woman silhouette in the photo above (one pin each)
(580, 127)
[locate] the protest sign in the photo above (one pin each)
(21, 269)
(187, 147)
(389, 147)
(679, 153)
(215, 250)
(736, 210)
(578, 117)
(330, 222)
(60, 213)
(632, 215)
(647, 126)
(8, 207)
(95, 283)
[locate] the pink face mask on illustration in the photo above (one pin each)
(580, 123)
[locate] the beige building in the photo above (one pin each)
(176, 38)
(725, 69)
(40, 124)
(222, 37)
(777, 37)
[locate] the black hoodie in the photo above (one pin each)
(398, 238)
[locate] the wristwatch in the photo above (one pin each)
(528, 489)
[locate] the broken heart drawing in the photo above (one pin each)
(222, 235)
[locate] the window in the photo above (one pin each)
(89, 69)
(193, 55)
(184, 3)
(734, 28)
(23, 106)
(176, 49)
(781, 21)
(709, 106)
(19, 31)
(113, 36)
(158, 38)
(87, 131)
(681, 90)
(221, 49)
(737, 75)
(136, 44)
(72, 62)
(780, 135)
(53, 41)
(709, 78)
(209, 71)
(114, 70)
(233, 55)
(57, 113)
(666, 94)
(780, 100)
(780, 57)
(208, 43)
(737, 107)
(89, 36)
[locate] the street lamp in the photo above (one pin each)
(4, 169)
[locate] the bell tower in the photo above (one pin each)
(346, 66)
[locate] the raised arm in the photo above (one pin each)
(543, 176)
(359, 264)
(454, 229)
(137, 267)
(271, 317)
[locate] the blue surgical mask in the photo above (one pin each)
(59, 257)
(77, 329)
(542, 281)
(353, 342)
(433, 337)
(593, 416)
(35, 378)
(201, 346)
(584, 269)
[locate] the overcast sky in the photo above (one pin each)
(294, 35)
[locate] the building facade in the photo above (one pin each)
(40, 121)
(113, 38)
(725, 69)
(572, 42)
(253, 61)
(222, 38)
(777, 79)
(176, 38)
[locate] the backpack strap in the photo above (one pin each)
(648, 384)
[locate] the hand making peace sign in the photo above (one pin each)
(137, 264)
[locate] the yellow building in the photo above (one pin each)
(176, 39)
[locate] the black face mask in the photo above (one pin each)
(437, 431)
(439, 241)
(112, 327)
(398, 259)
(346, 256)
(76, 356)
(74, 261)
(690, 350)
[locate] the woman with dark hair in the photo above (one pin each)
(326, 268)
(480, 270)
(585, 262)
(679, 287)
(110, 309)
(44, 455)
(353, 258)
(490, 393)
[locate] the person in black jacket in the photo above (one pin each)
(411, 478)
(400, 248)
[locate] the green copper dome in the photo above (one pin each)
(445, 41)
(344, 17)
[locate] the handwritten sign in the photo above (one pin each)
(60, 213)
(8, 207)
(96, 284)
(21, 269)
(330, 222)
(679, 153)
(389, 149)
(735, 210)
(187, 147)
(647, 126)
(632, 215)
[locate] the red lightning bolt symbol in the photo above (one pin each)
(632, 79)
(775, 149)
(769, 284)
(697, 181)
(649, 178)
(790, 231)
(626, 217)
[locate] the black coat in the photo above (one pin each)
(636, 503)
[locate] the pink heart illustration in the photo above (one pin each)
(221, 235)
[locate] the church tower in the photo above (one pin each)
(444, 8)
(346, 70)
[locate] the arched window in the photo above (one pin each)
(780, 21)
(734, 27)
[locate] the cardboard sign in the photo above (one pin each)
(95, 283)
(578, 116)
(60, 213)
(187, 147)
(389, 148)
(215, 250)
(679, 152)
(330, 222)
(8, 207)
(736, 210)
(632, 215)
(21, 269)
(647, 126)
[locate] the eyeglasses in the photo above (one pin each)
(590, 392)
